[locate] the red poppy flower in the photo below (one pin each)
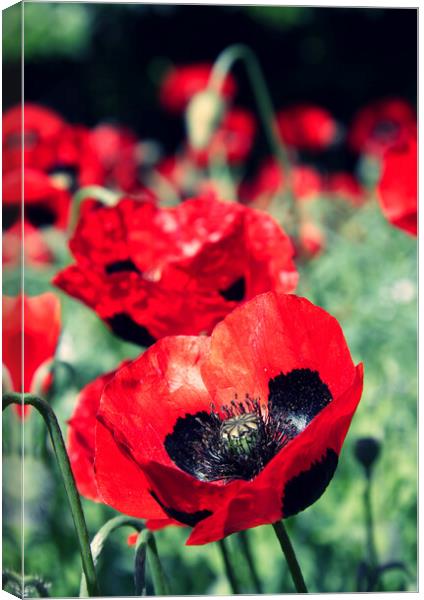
(34, 249)
(382, 124)
(270, 180)
(397, 189)
(117, 149)
(232, 431)
(233, 139)
(150, 272)
(180, 84)
(81, 442)
(40, 318)
(346, 186)
(306, 127)
(50, 145)
(40, 134)
(46, 204)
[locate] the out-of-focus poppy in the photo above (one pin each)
(181, 83)
(45, 203)
(232, 431)
(307, 127)
(24, 243)
(346, 186)
(150, 272)
(397, 189)
(381, 125)
(118, 151)
(38, 131)
(270, 181)
(51, 145)
(34, 322)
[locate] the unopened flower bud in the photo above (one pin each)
(203, 116)
(367, 450)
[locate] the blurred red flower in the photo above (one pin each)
(118, 151)
(270, 180)
(34, 322)
(51, 145)
(180, 84)
(39, 136)
(150, 272)
(33, 251)
(232, 431)
(82, 441)
(381, 125)
(307, 127)
(232, 141)
(45, 203)
(397, 189)
(346, 186)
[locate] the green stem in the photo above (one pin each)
(372, 552)
(245, 546)
(222, 67)
(289, 553)
(101, 536)
(228, 567)
(68, 480)
(160, 584)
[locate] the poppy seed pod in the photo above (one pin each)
(367, 451)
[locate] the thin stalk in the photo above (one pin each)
(245, 546)
(289, 553)
(369, 521)
(68, 481)
(228, 567)
(160, 584)
(101, 536)
(221, 68)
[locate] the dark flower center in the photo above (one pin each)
(40, 214)
(386, 130)
(236, 291)
(239, 442)
(121, 266)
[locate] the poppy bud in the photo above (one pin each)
(367, 451)
(203, 116)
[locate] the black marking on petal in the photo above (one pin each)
(10, 215)
(236, 291)
(130, 331)
(298, 395)
(190, 519)
(40, 214)
(121, 266)
(305, 489)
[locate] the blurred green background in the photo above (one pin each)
(92, 62)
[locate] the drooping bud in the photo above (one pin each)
(203, 116)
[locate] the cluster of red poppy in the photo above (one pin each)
(236, 413)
